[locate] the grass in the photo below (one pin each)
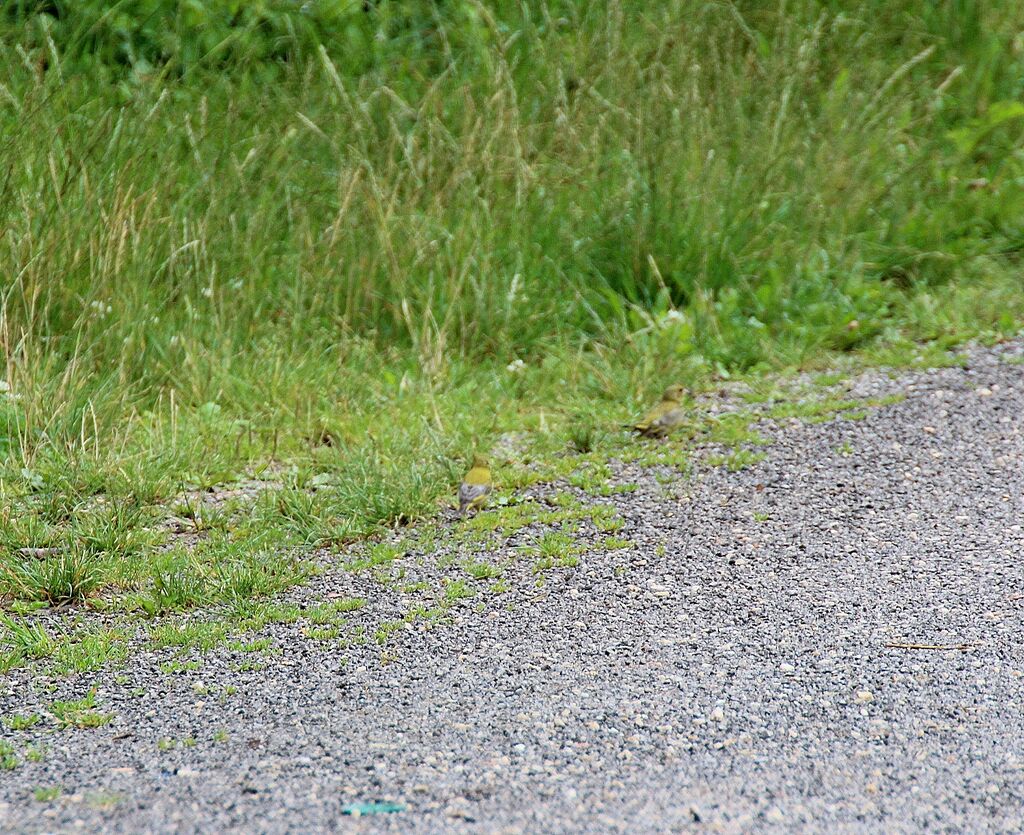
(200, 634)
(480, 570)
(47, 794)
(79, 713)
(615, 543)
(8, 757)
(90, 650)
(392, 240)
(820, 410)
(553, 549)
(24, 639)
(457, 590)
(21, 721)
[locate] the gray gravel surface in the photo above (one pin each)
(731, 671)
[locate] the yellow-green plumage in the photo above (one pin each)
(475, 486)
(665, 416)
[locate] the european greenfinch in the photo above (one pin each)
(665, 416)
(476, 484)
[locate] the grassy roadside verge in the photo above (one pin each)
(314, 286)
(206, 566)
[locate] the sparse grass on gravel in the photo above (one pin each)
(258, 300)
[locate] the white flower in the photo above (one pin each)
(5, 386)
(207, 291)
(515, 366)
(670, 318)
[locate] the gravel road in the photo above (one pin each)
(828, 640)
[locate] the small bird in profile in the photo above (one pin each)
(476, 484)
(665, 416)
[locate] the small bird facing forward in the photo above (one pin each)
(665, 416)
(476, 484)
